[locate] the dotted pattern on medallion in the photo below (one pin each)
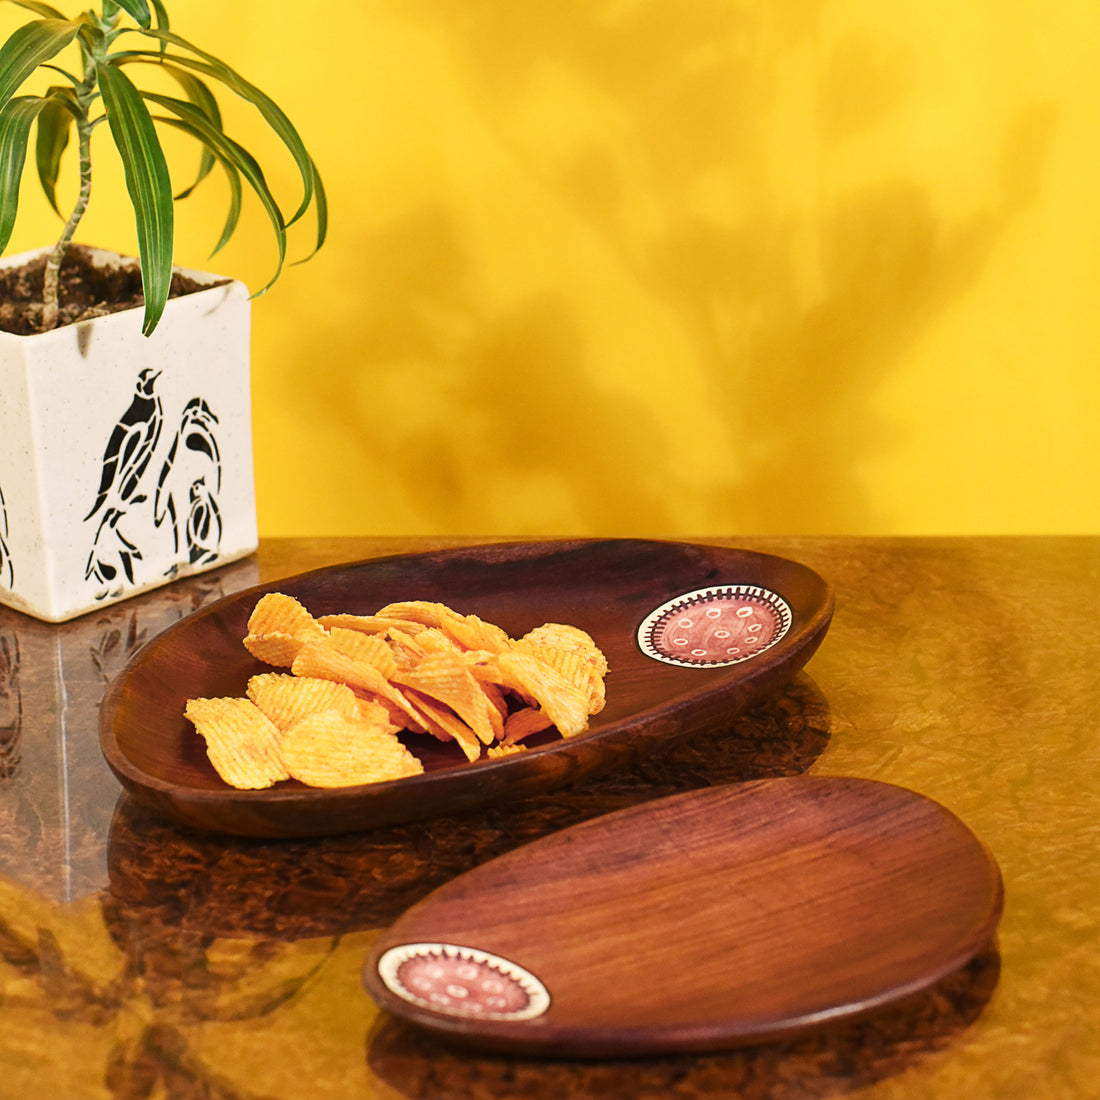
(462, 981)
(712, 627)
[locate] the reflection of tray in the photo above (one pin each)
(609, 588)
(709, 919)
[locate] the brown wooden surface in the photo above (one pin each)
(139, 958)
(714, 918)
(605, 587)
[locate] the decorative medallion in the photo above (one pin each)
(712, 627)
(462, 981)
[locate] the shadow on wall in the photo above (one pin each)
(889, 267)
(513, 401)
(504, 401)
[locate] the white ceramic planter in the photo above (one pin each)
(125, 460)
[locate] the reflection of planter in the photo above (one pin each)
(56, 797)
(125, 460)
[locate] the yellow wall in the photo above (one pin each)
(672, 267)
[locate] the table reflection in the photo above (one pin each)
(56, 795)
(163, 874)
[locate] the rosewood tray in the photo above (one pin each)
(693, 634)
(711, 919)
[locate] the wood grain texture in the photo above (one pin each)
(606, 587)
(715, 918)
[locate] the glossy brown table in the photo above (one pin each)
(141, 960)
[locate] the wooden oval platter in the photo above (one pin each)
(638, 599)
(705, 920)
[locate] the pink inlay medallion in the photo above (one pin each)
(716, 626)
(462, 981)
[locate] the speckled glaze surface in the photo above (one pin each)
(125, 460)
(140, 959)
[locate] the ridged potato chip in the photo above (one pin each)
(534, 680)
(504, 749)
(522, 723)
(577, 666)
(468, 631)
(442, 722)
(368, 624)
(563, 636)
(447, 678)
(329, 749)
(330, 660)
(278, 628)
(286, 699)
(242, 743)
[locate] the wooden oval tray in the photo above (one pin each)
(624, 592)
(711, 919)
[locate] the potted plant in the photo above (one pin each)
(125, 424)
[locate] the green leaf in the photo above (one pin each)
(267, 107)
(233, 215)
(148, 183)
(194, 122)
(28, 47)
(138, 11)
(320, 200)
(43, 10)
(16, 120)
(201, 96)
(54, 125)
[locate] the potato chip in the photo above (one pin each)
(329, 661)
(278, 627)
(442, 723)
(329, 749)
(473, 633)
(274, 648)
(577, 666)
(445, 677)
(377, 712)
(468, 631)
(405, 647)
(369, 624)
(498, 751)
(522, 723)
(242, 743)
(565, 705)
(279, 613)
(497, 700)
(433, 640)
(563, 636)
(287, 699)
(417, 611)
(369, 648)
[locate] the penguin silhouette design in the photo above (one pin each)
(189, 484)
(204, 524)
(127, 455)
(130, 447)
(113, 553)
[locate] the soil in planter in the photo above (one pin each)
(87, 290)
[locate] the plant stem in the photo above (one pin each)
(57, 255)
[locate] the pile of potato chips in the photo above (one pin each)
(356, 681)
